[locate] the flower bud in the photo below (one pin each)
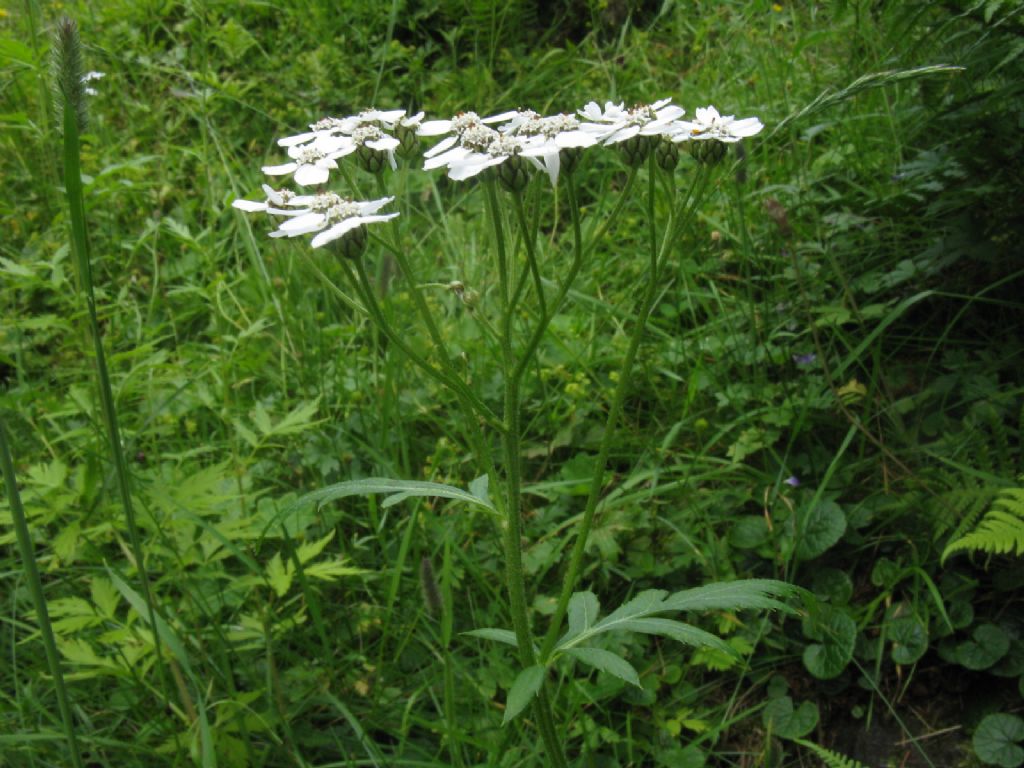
(513, 174)
(635, 150)
(569, 158)
(408, 140)
(372, 160)
(666, 154)
(353, 244)
(708, 151)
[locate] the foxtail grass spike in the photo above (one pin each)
(68, 72)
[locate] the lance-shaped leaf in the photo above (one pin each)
(506, 636)
(748, 594)
(395, 491)
(582, 612)
(606, 661)
(636, 614)
(525, 687)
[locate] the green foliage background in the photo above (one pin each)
(848, 313)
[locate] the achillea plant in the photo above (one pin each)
(505, 152)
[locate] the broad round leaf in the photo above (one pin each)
(783, 720)
(822, 527)
(988, 644)
(836, 634)
(749, 532)
(833, 585)
(909, 639)
(996, 742)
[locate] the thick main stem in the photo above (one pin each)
(514, 576)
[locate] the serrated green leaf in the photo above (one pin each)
(506, 636)
(582, 612)
(279, 576)
(246, 434)
(525, 687)
(996, 742)
(298, 419)
(332, 570)
(104, 596)
(606, 661)
(309, 550)
(261, 419)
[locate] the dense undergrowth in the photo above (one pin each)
(829, 394)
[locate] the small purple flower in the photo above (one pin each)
(807, 359)
(792, 481)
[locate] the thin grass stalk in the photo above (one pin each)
(35, 587)
(80, 248)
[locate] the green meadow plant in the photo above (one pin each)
(511, 155)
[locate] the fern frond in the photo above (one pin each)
(965, 504)
(1001, 530)
(828, 757)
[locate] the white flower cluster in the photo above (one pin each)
(514, 140)
(471, 144)
(328, 214)
(315, 151)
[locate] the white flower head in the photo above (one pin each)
(331, 216)
(311, 164)
(276, 198)
(708, 124)
(545, 138)
(615, 123)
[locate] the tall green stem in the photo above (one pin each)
(35, 587)
(80, 247)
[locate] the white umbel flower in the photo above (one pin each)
(330, 215)
(708, 124)
(615, 123)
